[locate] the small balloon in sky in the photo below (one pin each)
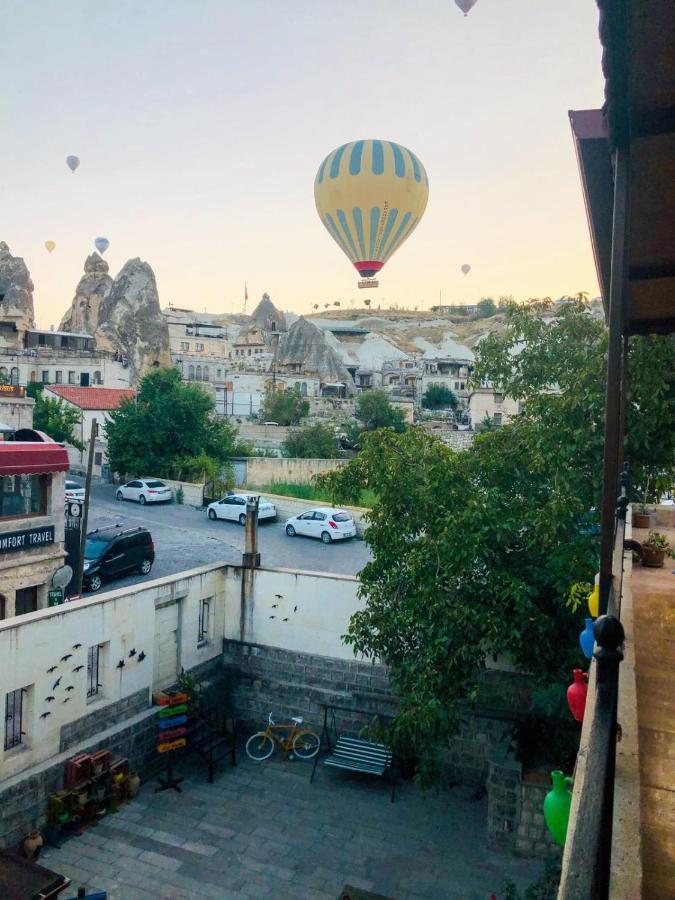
(466, 5)
(50, 245)
(72, 162)
(466, 268)
(101, 244)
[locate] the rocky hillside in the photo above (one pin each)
(91, 291)
(16, 289)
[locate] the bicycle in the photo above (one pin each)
(303, 742)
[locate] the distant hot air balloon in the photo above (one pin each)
(466, 5)
(50, 245)
(101, 244)
(72, 162)
(466, 268)
(370, 195)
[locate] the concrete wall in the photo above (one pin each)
(193, 493)
(262, 472)
(17, 412)
(482, 403)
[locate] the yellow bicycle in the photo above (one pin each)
(301, 741)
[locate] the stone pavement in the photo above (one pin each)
(262, 830)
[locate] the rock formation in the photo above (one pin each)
(267, 316)
(304, 349)
(94, 286)
(16, 296)
(130, 320)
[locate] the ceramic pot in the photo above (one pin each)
(133, 784)
(557, 807)
(641, 520)
(576, 695)
(587, 639)
(652, 558)
(32, 845)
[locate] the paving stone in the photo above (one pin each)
(166, 863)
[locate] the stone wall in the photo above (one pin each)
(193, 494)
(261, 471)
(102, 717)
(515, 811)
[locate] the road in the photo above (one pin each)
(185, 538)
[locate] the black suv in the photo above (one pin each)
(110, 552)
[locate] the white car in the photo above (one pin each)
(145, 490)
(74, 491)
(233, 508)
(323, 522)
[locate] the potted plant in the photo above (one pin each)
(641, 514)
(655, 549)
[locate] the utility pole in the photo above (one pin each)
(85, 509)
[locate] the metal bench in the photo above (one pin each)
(359, 755)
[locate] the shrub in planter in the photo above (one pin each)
(655, 549)
(641, 516)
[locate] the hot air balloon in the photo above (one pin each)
(466, 268)
(101, 244)
(50, 245)
(72, 162)
(466, 5)
(370, 195)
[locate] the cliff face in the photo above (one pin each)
(130, 320)
(92, 290)
(305, 345)
(267, 316)
(16, 294)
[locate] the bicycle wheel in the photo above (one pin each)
(306, 744)
(259, 746)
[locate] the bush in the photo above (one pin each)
(314, 442)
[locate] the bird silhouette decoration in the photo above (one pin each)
(66, 700)
(76, 646)
(51, 669)
(78, 668)
(141, 656)
(132, 652)
(66, 657)
(49, 699)
(70, 688)
(45, 714)
(57, 682)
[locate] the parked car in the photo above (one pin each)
(111, 552)
(233, 507)
(74, 491)
(323, 522)
(145, 490)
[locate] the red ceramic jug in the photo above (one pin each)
(576, 694)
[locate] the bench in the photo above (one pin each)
(359, 755)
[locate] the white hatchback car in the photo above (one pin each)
(233, 508)
(74, 491)
(145, 490)
(323, 522)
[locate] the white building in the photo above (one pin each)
(485, 402)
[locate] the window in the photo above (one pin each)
(497, 418)
(3, 606)
(199, 373)
(59, 376)
(45, 376)
(15, 375)
(72, 377)
(191, 372)
(26, 600)
(98, 459)
(4, 375)
(219, 373)
(499, 398)
(199, 347)
(205, 373)
(93, 654)
(23, 495)
(14, 718)
(249, 351)
(97, 378)
(184, 345)
(204, 621)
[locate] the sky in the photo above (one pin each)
(200, 125)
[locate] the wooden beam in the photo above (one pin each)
(618, 293)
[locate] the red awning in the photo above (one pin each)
(32, 458)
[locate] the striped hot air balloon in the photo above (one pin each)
(370, 195)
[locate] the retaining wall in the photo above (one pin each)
(261, 471)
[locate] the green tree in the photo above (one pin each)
(284, 407)
(57, 419)
(438, 396)
(486, 307)
(314, 442)
(374, 410)
(167, 429)
(474, 553)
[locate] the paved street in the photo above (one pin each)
(262, 830)
(185, 538)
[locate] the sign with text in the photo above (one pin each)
(55, 596)
(28, 539)
(12, 390)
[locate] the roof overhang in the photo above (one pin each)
(32, 458)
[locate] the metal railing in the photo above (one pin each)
(588, 846)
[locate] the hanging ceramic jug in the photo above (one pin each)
(576, 694)
(587, 639)
(557, 807)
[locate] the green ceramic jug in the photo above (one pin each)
(557, 806)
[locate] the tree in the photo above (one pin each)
(475, 552)
(284, 407)
(438, 396)
(314, 442)
(486, 308)
(374, 410)
(57, 419)
(168, 430)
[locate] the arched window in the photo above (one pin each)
(97, 378)
(33, 375)
(15, 375)
(199, 373)
(303, 389)
(191, 372)
(4, 375)
(205, 373)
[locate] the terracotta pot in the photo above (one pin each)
(133, 784)
(32, 845)
(642, 520)
(654, 559)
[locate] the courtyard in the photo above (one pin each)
(262, 830)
